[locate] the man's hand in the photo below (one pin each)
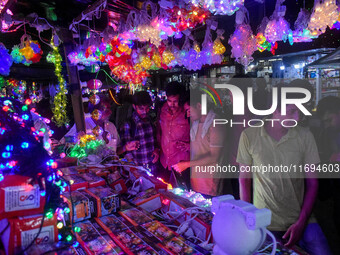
(294, 233)
(155, 155)
(131, 146)
(181, 166)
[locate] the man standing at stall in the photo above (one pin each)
(140, 130)
(207, 142)
(289, 197)
(173, 132)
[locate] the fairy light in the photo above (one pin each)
(60, 99)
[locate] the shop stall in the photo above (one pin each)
(78, 193)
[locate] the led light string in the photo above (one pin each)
(60, 99)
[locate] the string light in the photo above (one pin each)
(60, 99)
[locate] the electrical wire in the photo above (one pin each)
(274, 242)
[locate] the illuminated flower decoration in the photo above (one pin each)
(242, 41)
(6, 61)
(17, 56)
(30, 50)
(325, 14)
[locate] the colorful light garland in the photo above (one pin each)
(60, 99)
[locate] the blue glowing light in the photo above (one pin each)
(25, 117)
(43, 193)
(59, 237)
(9, 147)
(25, 145)
(6, 154)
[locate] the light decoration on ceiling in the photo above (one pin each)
(277, 28)
(220, 7)
(325, 14)
(243, 41)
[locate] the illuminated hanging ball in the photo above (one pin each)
(94, 84)
(96, 114)
(94, 99)
(97, 131)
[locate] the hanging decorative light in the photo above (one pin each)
(325, 14)
(277, 28)
(242, 41)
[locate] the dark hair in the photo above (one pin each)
(185, 98)
(328, 104)
(141, 98)
(173, 89)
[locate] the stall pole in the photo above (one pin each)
(318, 85)
(74, 82)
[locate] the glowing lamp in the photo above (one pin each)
(94, 84)
(238, 227)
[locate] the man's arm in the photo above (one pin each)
(311, 157)
(245, 184)
(295, 231)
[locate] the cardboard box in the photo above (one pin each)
(136, 216)
(149, 200)
(93, 180)
(113, 223)
(19, 198)
(107, 200)
(95, 242)
(76, 182)
(84, 206)
(19, 232)
(116, 182)
(56, 249)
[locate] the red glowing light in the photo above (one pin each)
(28, 101)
